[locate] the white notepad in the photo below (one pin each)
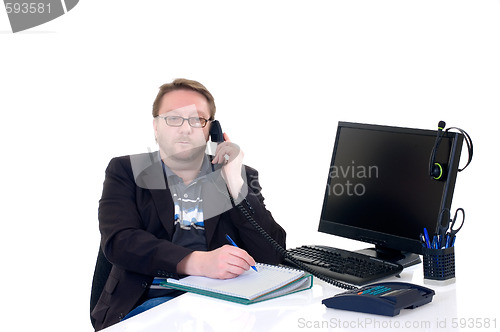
(269, 282)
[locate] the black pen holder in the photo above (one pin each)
(439, 264)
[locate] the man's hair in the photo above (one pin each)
(184, 84)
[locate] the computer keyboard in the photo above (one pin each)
(343, 265)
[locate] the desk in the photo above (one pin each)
(303, 311)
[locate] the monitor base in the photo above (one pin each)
(406, 259)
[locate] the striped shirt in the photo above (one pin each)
(189, 222)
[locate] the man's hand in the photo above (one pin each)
(223, 263)
(231, 156)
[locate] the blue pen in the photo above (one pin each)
(422, 239)
(447, 240)
(234, 244)
(427, 241)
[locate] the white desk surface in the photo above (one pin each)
(455, 307)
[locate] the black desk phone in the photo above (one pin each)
(385, 298)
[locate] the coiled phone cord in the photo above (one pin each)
(286, 255)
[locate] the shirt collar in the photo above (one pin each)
(206, 168)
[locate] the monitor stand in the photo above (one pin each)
(406, 259)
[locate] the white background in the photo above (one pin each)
(78, 90)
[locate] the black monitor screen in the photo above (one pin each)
(379, 189)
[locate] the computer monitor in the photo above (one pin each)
(380, 191)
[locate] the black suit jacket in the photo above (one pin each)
(136, 220)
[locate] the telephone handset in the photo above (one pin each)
(216, 134)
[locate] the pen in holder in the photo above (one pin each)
(439, 264)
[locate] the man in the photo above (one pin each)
(167, 213)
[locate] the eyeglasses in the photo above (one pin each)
(177, 121)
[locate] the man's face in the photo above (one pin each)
(183, 143)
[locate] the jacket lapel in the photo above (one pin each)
(149, 175)
(165, 207)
